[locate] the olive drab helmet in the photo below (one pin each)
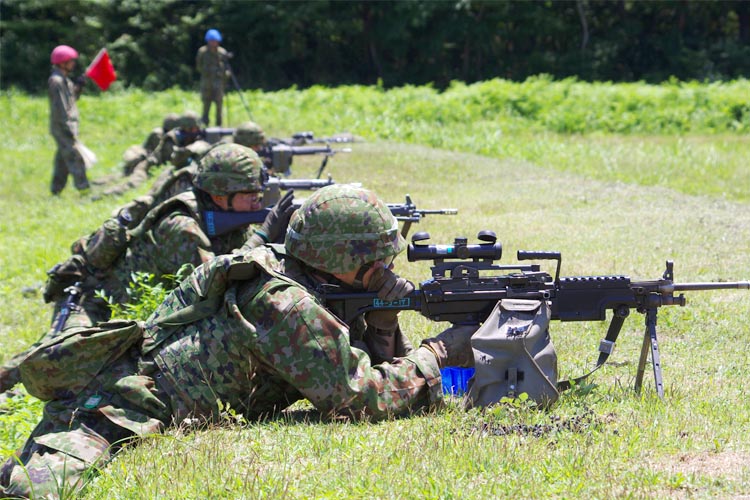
(229, 168)
(170, 121)
(189, 120)
(342, 227)
(249, 134)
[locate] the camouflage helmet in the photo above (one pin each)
(229, 168)
(341, 227)
(170, 121)
(249, 134)
(189, 120)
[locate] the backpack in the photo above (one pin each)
(513, 354)
(61, 367)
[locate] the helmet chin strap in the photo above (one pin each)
(357, 283)
(229, 202)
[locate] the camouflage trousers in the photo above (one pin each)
(138, 176)
(77, 437)
(68, 161)
(212, 94)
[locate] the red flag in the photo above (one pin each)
(101, 70)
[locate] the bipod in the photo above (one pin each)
(650, 340)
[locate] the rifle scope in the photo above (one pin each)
(460, 249)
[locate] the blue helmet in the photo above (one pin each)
(213, 34)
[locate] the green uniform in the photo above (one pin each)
(63, 125)
(213, 68)
(257, 343)
(174, 141)
(175, 236)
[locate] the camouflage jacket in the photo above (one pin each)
(172, 234)
(153, 139)
(63, 112)
(173, 147)
(212, 66)
(247, 331)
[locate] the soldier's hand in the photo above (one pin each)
(80, 83)
(452, 347)
(277, 219)
(389, 285)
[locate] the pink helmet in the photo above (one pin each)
(63, 53)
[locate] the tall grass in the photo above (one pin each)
(612, 201)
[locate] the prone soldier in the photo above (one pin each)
(176, 146)
(246, 330)
(170, 235)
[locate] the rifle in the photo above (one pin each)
(220, 222)
(71, 302)
(461, 291)
(408, 213)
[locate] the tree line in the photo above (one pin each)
(278, 44)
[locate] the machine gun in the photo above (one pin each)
(273, 187)
(277, 154)
(463, 290)
(219, 222)
(278, 157)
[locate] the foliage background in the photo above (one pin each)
(280, 43)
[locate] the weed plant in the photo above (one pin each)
(618, 178)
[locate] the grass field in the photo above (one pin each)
(610, 202)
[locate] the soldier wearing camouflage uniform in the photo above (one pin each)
(154, 137)
(211, 61)
(63, 121)
(178, 177)
(178, 146)
(247, 331)
(172, 234)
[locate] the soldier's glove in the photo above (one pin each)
(389, 285)
(80, 83)
(384, 337)
(274, 227)
(452, 347)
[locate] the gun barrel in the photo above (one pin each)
(310, 150)
(719, 285)
(304, 183)
(439, 211)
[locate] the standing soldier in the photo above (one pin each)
(63, 120)
(211, 63)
